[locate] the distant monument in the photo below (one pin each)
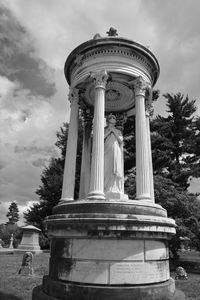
(30, 239)
(11, 242)
(104, 245)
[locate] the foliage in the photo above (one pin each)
(52, 176)
(175, 140)
(5, 234)
(44, 241)
(13, 213)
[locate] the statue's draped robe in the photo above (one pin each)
(113, 163)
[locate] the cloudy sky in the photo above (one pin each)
(36, 36)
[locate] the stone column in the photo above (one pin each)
(142, 147)
(148, 115)
(71, 149)
(86, 158)
(97, 166)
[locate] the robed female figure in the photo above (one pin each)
(113, 158)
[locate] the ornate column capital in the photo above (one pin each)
(140, 86)
(73, 94)
(100, 79)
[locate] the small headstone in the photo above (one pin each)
(27, 264)
(181, 273)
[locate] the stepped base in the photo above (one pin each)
(70, 291)
(104, 250)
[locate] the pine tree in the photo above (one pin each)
(52, 176)
(13, 213)
(174, 139)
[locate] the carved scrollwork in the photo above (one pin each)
(140, 86)
(100, 79)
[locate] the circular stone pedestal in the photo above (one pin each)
(109, 250)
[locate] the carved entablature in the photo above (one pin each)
(114, 51)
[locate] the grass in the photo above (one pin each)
(190, 287)
(17, 287)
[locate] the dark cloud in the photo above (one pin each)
(18, 59)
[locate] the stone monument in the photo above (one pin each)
(11, 242)
(27, 264)
(105, 245)
(30, 239)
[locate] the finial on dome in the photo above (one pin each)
(112, 32)
(96, 36)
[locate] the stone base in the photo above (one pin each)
(28, 247)
(108, 250)
(70, 291)
(22, 251)
(116, 196)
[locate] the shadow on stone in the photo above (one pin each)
(5, 296)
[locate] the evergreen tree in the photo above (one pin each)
(13, 213)
(174, 140)
(52, 176)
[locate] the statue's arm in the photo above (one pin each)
(106, 133)
(118, 136)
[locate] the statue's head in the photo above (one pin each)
(111, 119)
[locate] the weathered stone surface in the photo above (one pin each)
(27, 264)
(139, 272)
(109, 250)
(30, 238)
(155, 250)
(61, 290)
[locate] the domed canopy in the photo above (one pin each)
(123, 59)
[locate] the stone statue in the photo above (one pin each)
(113, 158)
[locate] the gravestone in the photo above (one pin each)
(27, 264)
